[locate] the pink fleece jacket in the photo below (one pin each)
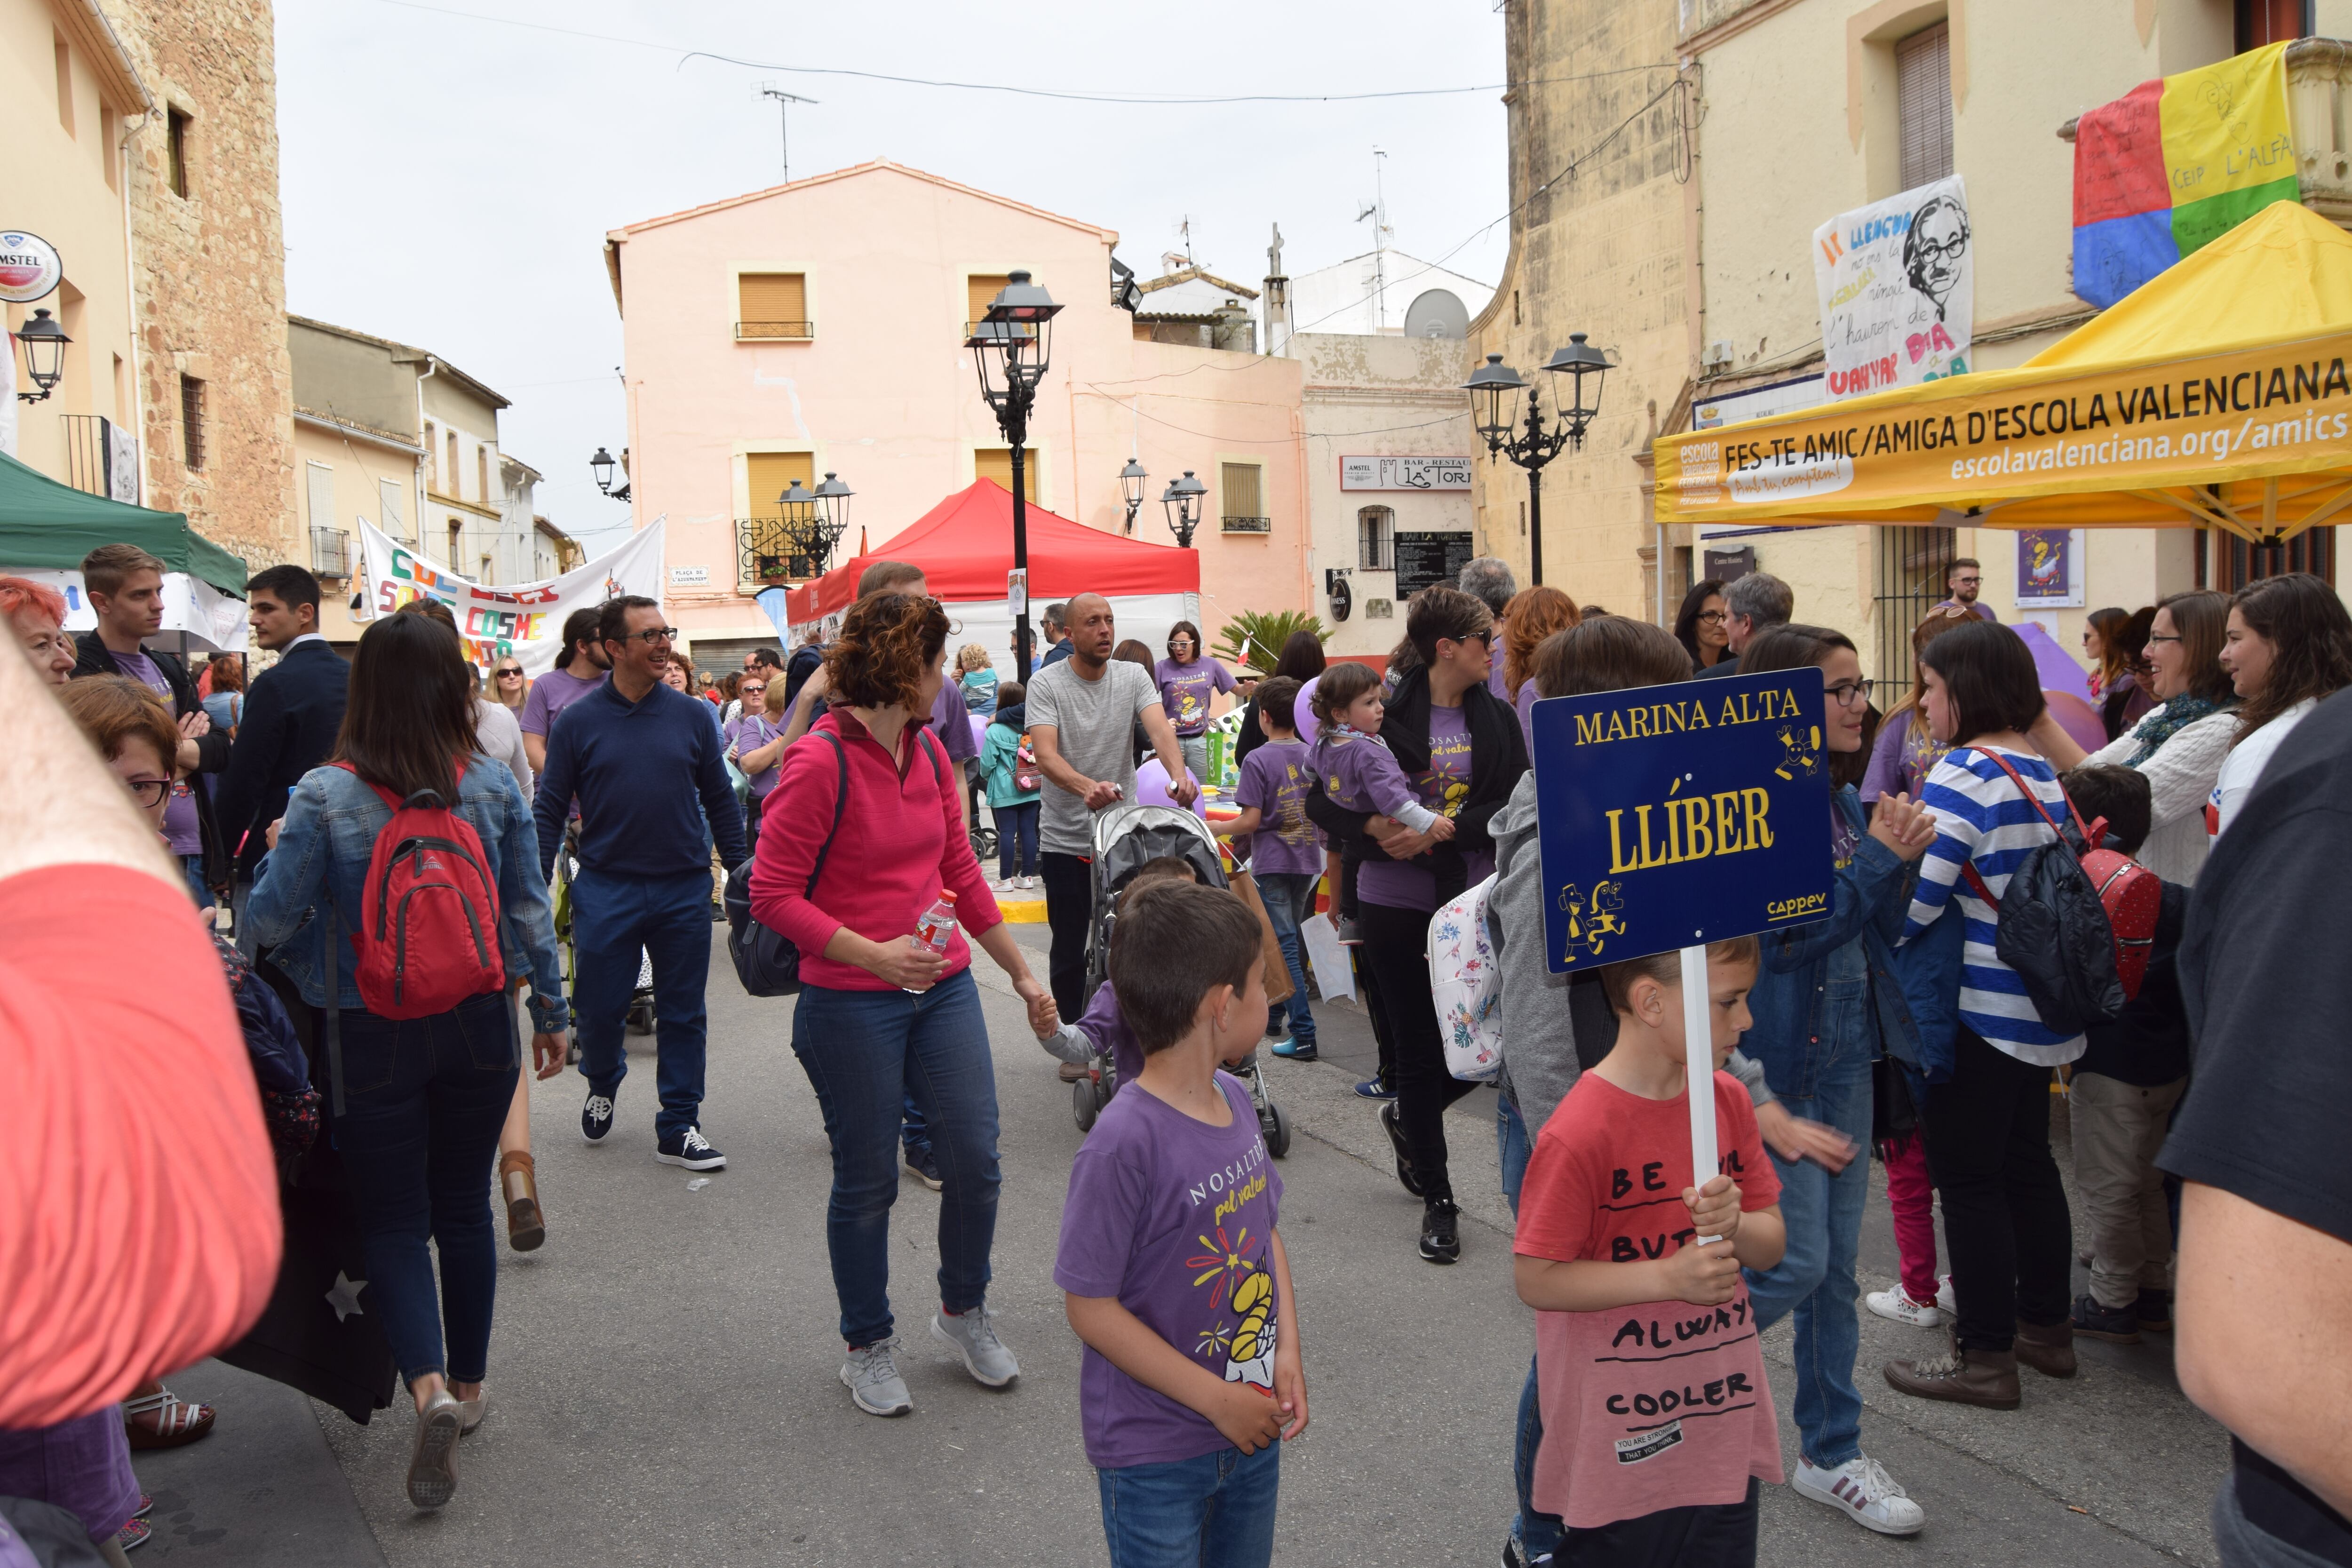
(901, 840)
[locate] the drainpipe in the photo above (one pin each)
(424, 449)
(130, 299)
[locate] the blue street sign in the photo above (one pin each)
(1675, 816)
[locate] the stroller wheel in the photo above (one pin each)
(640, 1019)
(1276, 1127)
(571, 1049)
(1085, 1102)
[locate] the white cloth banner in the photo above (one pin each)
(1897, 285)
(213, 622)
(525, 621)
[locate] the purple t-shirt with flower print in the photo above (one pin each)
(1273, 779)
(1185, 690)
(1175, 1218)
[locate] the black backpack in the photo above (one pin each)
(2052, 929)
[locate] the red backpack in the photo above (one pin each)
(428, 932)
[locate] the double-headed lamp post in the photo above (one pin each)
(1010, 350)
(1182, 499)
(815, 520)
(1494, 391)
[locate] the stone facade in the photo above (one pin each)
(209, 272)
(1600, 172)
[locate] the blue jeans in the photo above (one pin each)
(423, 1099)
(192, 867)
(1016, 839)
(1289, 899)
(1215, 1511)
(1814, 1279)
(866, 1053)
(1535, 1530)
(669, 919)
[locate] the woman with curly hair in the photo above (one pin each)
(866, 831)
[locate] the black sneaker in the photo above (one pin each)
(2117, 1325)
(691, 1150)
(2153, 1312)
(926, 1167)
(1441, 1241)
(596, 1117)
(1395, 1126)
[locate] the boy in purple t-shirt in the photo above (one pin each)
(1173, 1272)
(1286, 851)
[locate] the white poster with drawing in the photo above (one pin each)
(1897, 286)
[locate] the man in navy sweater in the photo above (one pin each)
(640, 757)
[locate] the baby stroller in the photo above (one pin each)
(640, 1017)
(1124, 840)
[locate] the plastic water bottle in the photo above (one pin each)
(937, 926)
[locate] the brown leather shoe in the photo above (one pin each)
(1071, 1072)
(2048, 1350)
(1986, 1378)
(526, 1226)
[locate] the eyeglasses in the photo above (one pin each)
(1712, 617)
(149, 793)
(1967, 581)
(2153, 638)
(1845, 692)
(651, 636)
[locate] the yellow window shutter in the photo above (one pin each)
(770, 474)
(1240, 491)
(772, 305)
(993, 463)
(979, 291)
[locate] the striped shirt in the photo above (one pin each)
(1981, 819)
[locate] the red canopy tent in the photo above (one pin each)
(964, 546)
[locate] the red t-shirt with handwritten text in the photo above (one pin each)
(1661, 1405)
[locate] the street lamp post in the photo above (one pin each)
(601, 466)
(1182, 499)
(1131, 489)
(1494, 391)
(45, 355)
(1010, 348)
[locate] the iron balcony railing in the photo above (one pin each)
(748, 330)
(1246, 524)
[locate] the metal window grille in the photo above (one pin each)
(192, 422)
(1376, 539)
(1912, 563)
(2227, 562)
(86, 455)
(331, 552)
(1244, 497)
(1922, 99)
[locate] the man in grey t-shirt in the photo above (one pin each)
(1082, 713)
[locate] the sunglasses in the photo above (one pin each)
(509, 675)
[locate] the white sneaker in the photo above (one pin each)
(1895, 1302)
(1946, 1300)
(1863, 1492)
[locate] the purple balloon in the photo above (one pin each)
(1151, 789)
(1302, 713)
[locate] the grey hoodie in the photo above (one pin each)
(1539, 1064)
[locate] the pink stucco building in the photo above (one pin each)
(818, 327)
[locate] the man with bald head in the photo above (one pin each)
(1082, 713)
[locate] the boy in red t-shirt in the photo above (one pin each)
(1657, 1422)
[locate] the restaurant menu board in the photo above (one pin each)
(1424, 560)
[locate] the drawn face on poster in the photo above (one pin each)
(1896, 288)
(1935, 250)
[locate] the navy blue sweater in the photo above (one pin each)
(638, 770)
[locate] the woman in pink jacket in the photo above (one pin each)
(863, 834)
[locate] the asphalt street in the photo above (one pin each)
(663, 1386)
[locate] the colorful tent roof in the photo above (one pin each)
(45, 524)
(2216, 394)
(964, 546)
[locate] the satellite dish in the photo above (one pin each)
(1437, 313)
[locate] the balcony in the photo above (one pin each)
(772, 552)
(788, 331)
(2316, 72)
(1245, 525)
(87, 451)
(331, 552)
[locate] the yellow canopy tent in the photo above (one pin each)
(2216, 395)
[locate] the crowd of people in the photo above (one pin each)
(399, 864)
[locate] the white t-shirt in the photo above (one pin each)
(2244, 769)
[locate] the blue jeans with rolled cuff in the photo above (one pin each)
(423, 1101)
(1289, 899)
(1214, 1511)
(668, 918)
(867, 1054)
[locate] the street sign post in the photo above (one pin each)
(1673, 817)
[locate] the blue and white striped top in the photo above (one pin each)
(1982, 818)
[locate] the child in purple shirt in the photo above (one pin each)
(1173, 1272)
(1286, 851)
(1360, 773)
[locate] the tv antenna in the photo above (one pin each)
(785, 102)
(1378, 213)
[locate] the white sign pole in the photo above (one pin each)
(1698, 1058)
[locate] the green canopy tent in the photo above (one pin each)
(49, 526)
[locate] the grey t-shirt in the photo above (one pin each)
(1096, 722)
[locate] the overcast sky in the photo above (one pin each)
(448, 178)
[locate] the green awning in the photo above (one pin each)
(43, 523)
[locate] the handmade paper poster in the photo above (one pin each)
(1897, 285)
(524, 622)
(2174, 164)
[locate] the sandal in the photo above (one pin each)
(177, 1422)
(526, 1224)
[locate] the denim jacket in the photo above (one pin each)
(324, 845)
(1804, 1017)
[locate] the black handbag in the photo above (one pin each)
(768, 964)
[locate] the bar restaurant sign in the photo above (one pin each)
(1405, 474)
(1670, 817)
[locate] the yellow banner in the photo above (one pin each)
(2056, 447)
